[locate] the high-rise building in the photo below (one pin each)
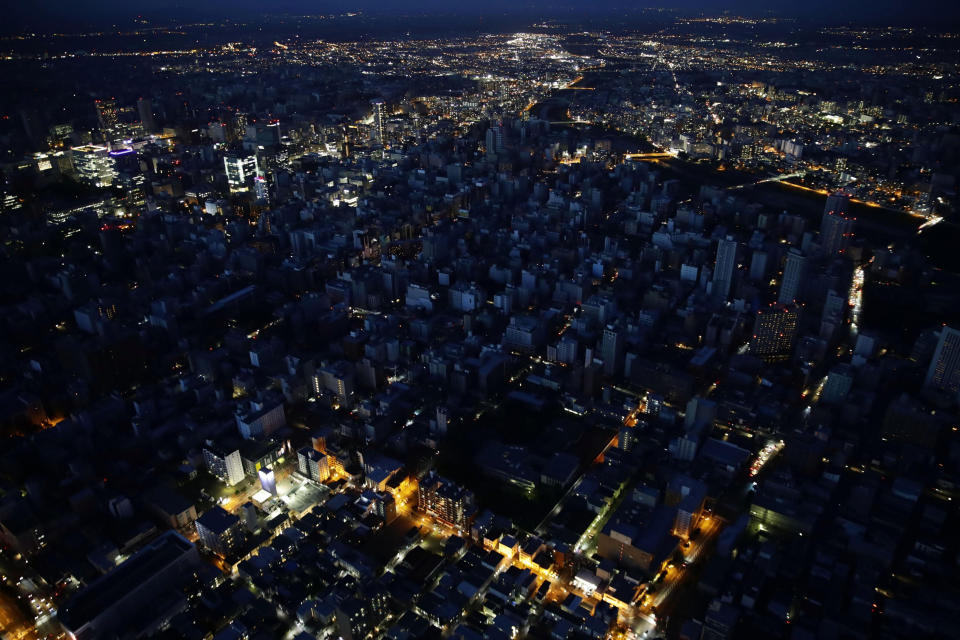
(219, 530)
(108, 116)
(567, 349)
(313, 464)
(442, 419)
(260, 417)
(94, 165)
(793, 272)
(248, 513)
(261, 189)
(145, 110)
(240, 121)
(758, 265)
(261, 135)
(611, 350)
(944, 370)
(689, 495)
(838, 384)
(834, 308)
(836, 227)
(59, 135)
(378, 117)
(224, 462)
(494, 139)
(723, 269)
(446, 501)
(241, 171)
(337, 378)
(838, 202)
(775, 331)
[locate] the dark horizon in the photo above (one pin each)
(61, 15)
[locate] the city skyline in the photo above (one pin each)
(510, 321)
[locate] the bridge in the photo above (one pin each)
(931, 222)
(777, 178)
(655, 155)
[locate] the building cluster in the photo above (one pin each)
(878, 129)
(413, 358)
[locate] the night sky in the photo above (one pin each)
(46, 12)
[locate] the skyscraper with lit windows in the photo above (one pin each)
(378, 116)
(108, 116)
(774, 331)
(241, 171)
(446, 501)
(944, 370)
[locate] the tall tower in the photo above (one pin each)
(108, 116)
(378, 108)
(723, 269)
(793, 272)
(836, 228)
(774, 331)
(611, 350)
(494, 139)
(944, 370)
(145, 109)
(838, 202)
(442, 419)
(240, 121)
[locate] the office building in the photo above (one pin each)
(224, 463)
(260, 454)
(261, 189)
(523, 334)
(758, 266)
(108, 117)
(640, 543)
(494, 139)
(689, 496)
(793, 272)
(337, 378)
(145, 111)
(567, 349)
(611, 350)
(724, 268)
(446, 501)
(219, 530)
(260, 417)
(838, 384)
(94, 165)
(241, 172)
(836, 227)
(378, 107)
(838, 202)
(944, 370)
(774, 331)
(313, 464)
